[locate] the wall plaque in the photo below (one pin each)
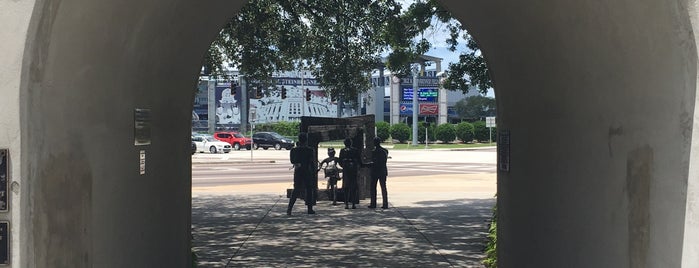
(4, 243)
(4, 179)
(504, 150)
(142, 124)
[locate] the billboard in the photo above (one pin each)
(423, 94)
(268, 106)
(227, 103)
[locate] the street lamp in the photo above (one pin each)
(415, 68)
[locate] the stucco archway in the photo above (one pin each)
(598, 97)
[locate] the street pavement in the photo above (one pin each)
(433, 220)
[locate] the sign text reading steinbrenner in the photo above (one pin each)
(421, 81)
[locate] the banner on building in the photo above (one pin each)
(429, 109)
(423, 109)
(227, 103)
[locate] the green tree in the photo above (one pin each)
(471, 69)
(464, 131)
(339, 41)
(475, 107)
(400, 132)
(383, 130)
(446, 133)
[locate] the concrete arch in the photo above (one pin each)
(581, 86)
(599, 99)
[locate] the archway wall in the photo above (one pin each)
(87, 66)
(690, 251)
(598, 98)
(14, 18)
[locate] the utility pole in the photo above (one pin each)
(303, 96)
(244, 99)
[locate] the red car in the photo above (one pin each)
(236, 139)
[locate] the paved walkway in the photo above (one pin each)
(433, 221)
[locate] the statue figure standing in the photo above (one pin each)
(379, 172)
(304, 174)
(350, 161)
(331, 172)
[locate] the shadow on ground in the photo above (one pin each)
(254, 231)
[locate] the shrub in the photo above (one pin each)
(289, 129)
(481, 132)
(400, 132)
(421, 126)
(383, 130)
(445, 133)
(491, 252)
(464, 131)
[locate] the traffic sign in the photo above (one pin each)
(490, 122)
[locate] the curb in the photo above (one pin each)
(474, 149)
(220, 162)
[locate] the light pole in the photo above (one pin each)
(415, 70)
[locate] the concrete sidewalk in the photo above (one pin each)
(435, 221)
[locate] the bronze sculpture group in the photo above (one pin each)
(306, 168)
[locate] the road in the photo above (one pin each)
(272, 166)
(440, 203)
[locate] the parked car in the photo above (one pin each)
(208, 143)
(236, 139)
(271, 139)
(194, 147)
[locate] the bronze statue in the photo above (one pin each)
(304, 162)
(350, 160)
(379, 172)
(331, 172)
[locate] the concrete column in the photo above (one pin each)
(442, 99)
(379, 95)
(599, 102)
(443, 116)
(68, 118)
(395, 100)
(690, 250)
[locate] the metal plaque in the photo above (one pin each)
(4, 179)
(142, 126)
(4, 243)
(504, 150)
(142, 162)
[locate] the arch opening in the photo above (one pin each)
(591, 160)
